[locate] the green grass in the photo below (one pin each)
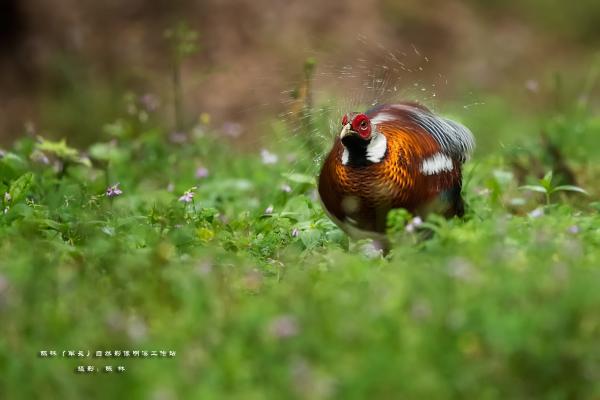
(502, 304)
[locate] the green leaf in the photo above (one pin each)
(300, 178)
(569, 188)
(503, 178)
(397, 219)
(11, 165)
(547, 177)
(50, 224)
(310, 237)
(62, 151)
(534, 188)
(59, 149)
(299, 206)
(546, 181)
(19, 188)
(118, 129)
(84, 161)
(108, 152)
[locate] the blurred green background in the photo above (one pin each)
(67, 56)
(180, 212)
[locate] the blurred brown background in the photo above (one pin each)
(77, 57)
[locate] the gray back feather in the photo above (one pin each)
(455, 139)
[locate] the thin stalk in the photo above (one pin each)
(177, 95)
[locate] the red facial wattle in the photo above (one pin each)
(362, 125)
(345, 120)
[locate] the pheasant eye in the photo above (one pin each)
(364, 124)
(345, 120)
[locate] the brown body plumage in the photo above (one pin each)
(416, 166)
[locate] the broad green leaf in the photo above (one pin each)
(534, 188)
(107, 152)
(310, 237)
(503, 178)
(19, 188)
(11, 165)
(298, 207)
(569, 188)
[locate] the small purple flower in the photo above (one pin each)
(532, 85)
(40, 158)
(150, 102)
(538, 212)
(295, 232)
(421, 310)
(414, 224)
(284, 326)
(269, 210)
(178, 137)
(574, 229)
(204, 268)
(201, 172)
(187, 196)
(268, 157)
(285, 188)
(113, 191)
(460, 269)
(232, 129)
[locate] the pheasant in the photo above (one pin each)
(393, 156)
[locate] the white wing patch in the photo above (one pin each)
(377, 148)
(437, 163)
(382, 117)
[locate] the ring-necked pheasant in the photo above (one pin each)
(393, 156)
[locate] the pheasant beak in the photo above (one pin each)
(346, 130)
